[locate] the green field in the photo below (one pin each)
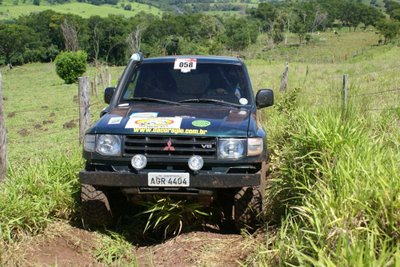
(10, 11)
(38, 125)
(334, 196)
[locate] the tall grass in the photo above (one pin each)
(335, 190)
(37, 192)
(171, 216)
(114, 250)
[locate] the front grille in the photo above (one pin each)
(178, 146)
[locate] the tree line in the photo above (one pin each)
(39, 37)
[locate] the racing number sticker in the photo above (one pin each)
(185, 64)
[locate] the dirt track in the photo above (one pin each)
(63, 245)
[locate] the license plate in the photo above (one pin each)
(168, 179)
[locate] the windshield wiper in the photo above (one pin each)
(207, 100)
(144, 98)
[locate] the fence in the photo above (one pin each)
(345, 95)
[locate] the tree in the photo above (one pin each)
(267, 14)
(70, 36)
(353, 14)
(95, 34)
(43, 25)
(14, 40)
(134, 40)
(389, 29)
(395, 14)
(240, 32)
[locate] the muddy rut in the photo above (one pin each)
(64, 245)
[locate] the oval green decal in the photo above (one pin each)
(201, 123)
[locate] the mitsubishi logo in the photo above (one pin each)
(169, 146)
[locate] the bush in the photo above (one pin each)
(70, 65)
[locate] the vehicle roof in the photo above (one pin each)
(201, 59)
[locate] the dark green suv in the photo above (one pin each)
(181, 126)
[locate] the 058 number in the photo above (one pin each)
(185, 64)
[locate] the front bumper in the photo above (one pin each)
(127, 179)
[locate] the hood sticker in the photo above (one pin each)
(161, 125)
(185, 65)
(159, 122)
(201, 123)
(115, 120)
(144, 115)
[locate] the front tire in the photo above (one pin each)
(96, 209)
(248, 205)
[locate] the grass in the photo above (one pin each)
(334, 197)
(337, 187)
(39, 106)
(36, 193)
(325, 47)
(115, 250)
(10, 11)
(170, 216)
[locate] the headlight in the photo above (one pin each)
(195, 163)
(139, 162)
(231, 148)
(108, 145)
(89, 143)
(254, 146)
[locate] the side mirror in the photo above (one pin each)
(108, 94)
(265, 98)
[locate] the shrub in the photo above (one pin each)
(70, 65)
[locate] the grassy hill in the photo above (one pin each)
(8, 10)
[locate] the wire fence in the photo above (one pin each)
(390, 98)
(387, 97)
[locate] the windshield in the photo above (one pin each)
(223, 82)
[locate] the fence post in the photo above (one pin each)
(103, 84)
(84, 106)
(345, 86)
(3, 139)
(96, 83)
(108, 76)
(284, 81)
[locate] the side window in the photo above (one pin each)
(130, 90)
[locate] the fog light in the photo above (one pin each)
(195, 163)
(139, 162)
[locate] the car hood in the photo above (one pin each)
(187, 119)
